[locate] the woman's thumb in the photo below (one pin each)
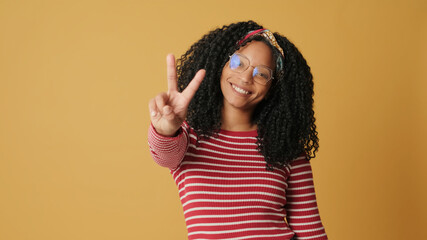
(168, 113)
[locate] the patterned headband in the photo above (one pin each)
(267, 34)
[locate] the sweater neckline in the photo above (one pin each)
(250, 133)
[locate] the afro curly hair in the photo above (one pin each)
(285, 119)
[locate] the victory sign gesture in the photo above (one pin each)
(168, 110)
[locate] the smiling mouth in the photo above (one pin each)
(239, 90)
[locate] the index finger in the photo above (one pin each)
(192, 87)
(171, 73)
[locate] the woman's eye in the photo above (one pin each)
(263, 75)
(235, 62)
(260, 74)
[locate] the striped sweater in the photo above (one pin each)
(227, 193)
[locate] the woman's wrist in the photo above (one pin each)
(169, 134)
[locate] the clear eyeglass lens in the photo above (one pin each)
(261, 74)
(238, 63)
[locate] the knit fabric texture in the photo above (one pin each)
(227, 193)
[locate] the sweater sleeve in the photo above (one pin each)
(168, 151)
(302, 212)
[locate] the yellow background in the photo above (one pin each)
(76, 77)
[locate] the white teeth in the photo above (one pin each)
(240, 90)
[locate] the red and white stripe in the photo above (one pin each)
(227, 193)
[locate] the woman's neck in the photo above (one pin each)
(233, 119)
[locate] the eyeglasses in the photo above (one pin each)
(261, 74)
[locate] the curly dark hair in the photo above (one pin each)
(285, 118)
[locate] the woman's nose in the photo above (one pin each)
(247, 76)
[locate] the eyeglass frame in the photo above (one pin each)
(249, 65)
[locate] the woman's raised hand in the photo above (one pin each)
(168, 110)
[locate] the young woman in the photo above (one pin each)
(236, 128)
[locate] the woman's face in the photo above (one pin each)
(239, 89)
